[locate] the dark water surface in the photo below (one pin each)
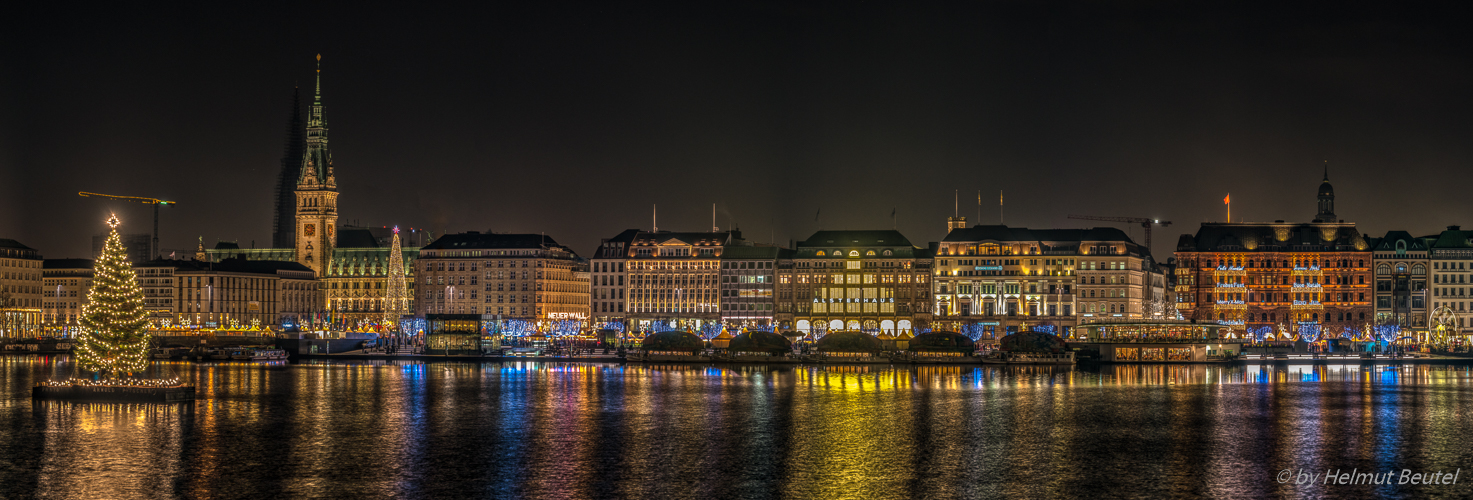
(564, 430)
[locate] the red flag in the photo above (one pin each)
(1227, 199)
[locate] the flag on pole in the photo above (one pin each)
(815, 214)
(892, 212)
(1227, 199)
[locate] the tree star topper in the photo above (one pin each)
(112, 221)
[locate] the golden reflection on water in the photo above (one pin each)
(566, 430)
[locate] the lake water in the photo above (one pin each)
(570, 430)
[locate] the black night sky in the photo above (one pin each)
(574, 119)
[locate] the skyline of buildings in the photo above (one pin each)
(989, 280)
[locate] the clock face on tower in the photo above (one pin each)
(309, 230)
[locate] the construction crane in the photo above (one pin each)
(154, 249)
(1144, 222)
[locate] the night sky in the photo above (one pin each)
(574, 119)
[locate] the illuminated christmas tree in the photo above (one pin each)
(396, 302)
(114, 338)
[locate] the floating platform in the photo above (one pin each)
(113, 394)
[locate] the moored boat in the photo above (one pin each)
(169, 352)
(258, 354)
(1029, 358)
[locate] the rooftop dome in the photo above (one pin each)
(1031, 341)
(760, 341)
(943, 342)
(1326, 189)
(673, 341)
(848, 342)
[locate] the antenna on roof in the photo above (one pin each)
(655, 218)
(714, 228)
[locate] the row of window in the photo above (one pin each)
(1274, 317)
(502, 310)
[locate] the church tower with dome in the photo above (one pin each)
(1326, 199)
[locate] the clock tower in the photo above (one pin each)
(317, 192)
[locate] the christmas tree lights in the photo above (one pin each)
(114, 336)
(396, 303)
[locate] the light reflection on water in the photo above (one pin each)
(566, 430)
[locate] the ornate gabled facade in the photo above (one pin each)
(1279, 279)
(1276, 277)
(873, 281)
(360, 276)
(317, 192)
(674, 277)
(1401, 265)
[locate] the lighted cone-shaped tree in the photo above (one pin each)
(396, 301)
(114, 338)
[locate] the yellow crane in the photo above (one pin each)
(154, 248)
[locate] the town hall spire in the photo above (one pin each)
(317, 160)
(317, 192)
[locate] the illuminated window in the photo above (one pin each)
(854, 253)
(820, 253)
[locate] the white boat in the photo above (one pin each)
(258, 354)
(1029, 358)
(521, 352)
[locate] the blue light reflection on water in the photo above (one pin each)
(533, 429)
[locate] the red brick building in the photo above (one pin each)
(1275, 278)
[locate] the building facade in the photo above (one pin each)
(608, 278)
(161, 292)
(873, 281)
(1401, 268)
(748, 281)
(513, 276)
(357, 280)
(674, 278)
(1001, 280)
(21, 282)
(1451, 261)
(230, 294)
(1278, 279)
(65, 283)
